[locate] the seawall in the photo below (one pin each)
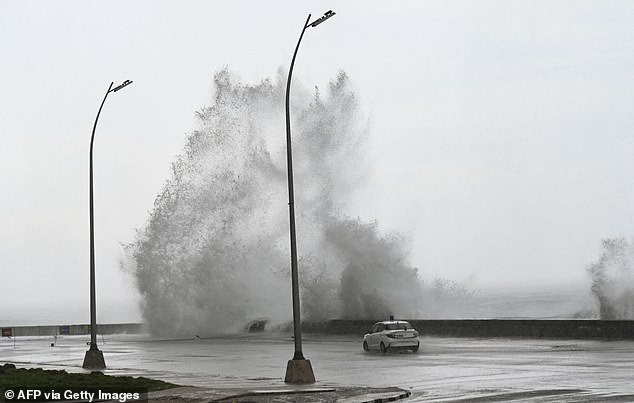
(548, 329)
(555, 329)
(72, 330)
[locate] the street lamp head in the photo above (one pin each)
(326, 15)
(125, 83)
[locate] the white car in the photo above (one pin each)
(391, 335)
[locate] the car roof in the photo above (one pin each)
(391, 322)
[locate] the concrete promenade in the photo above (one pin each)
(251, 367)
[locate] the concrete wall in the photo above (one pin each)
(116, 328)
(566, 329)
(552, 329)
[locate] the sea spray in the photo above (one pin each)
(214, 253)
(207, 259)
(376, 280)
(613, 279)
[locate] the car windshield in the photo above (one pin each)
(398, 326)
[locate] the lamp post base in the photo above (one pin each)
(299, 371)
(94, 360)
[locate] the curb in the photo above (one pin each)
(273, 393)
(341, 395)
(404, 395)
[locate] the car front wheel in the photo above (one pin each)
(383, 349)
(365, 346)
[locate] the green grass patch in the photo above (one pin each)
(12, 377)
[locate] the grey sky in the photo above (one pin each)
(502, 131)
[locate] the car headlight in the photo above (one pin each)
(391, 336)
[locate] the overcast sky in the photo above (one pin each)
(502, 132)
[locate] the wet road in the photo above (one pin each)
(445, 369)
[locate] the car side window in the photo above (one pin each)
(380, 327)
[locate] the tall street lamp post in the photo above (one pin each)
(94, 357)
(298, 369)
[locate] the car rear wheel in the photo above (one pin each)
(383, 349)
(415, 349)
(365, 346)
